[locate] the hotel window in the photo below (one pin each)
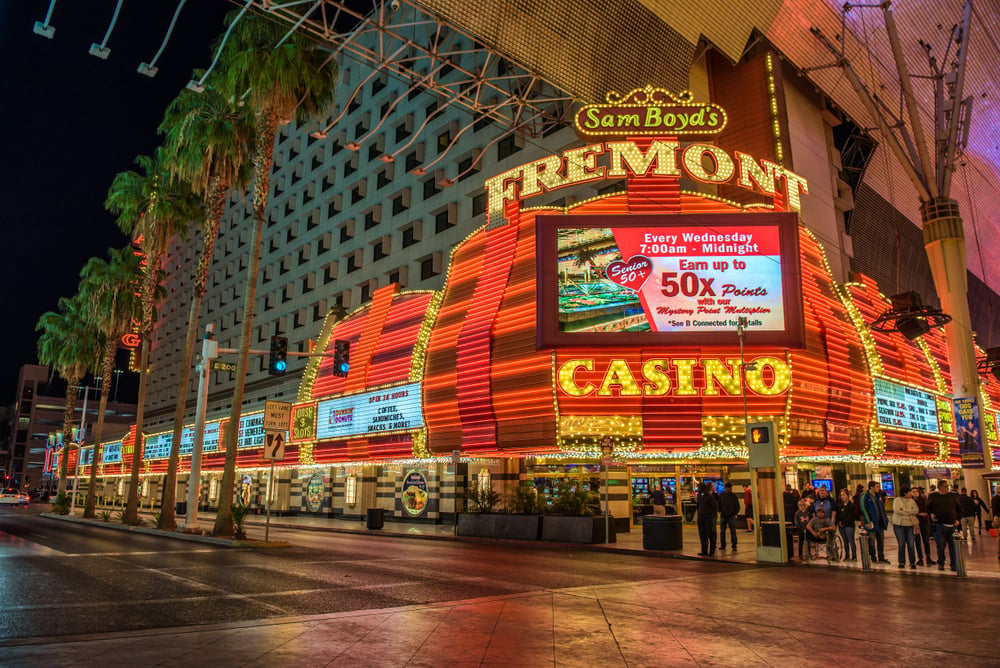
(404, 129)
(351, 165)
(411, 234)
(431, 187)
(445, 218)
(466, 168)
(308, 282)
(430, 266)
(354, 261)
(401, 202)
(333, 208)
(330, 273)
(359, 191)
(479, 204)
(324, 243)
(380, 249)
(373, 216)
(509, 145)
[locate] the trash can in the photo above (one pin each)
(662, 532)
(181, 508)
(376, 518)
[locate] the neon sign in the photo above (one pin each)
(650, 111)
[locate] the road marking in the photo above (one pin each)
(136, 554)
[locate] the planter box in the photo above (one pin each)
(570, 529)
(498, 525)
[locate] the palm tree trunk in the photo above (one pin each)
(267, 126)
(148, 296)
(215, 206)
(107, 365)
(68, 411)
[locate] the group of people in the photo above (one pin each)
(719, 510)
(916, 517)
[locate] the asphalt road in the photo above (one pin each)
(61, 578)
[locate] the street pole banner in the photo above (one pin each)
(970, 440)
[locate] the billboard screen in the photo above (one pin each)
(678, 279)
(393, 409)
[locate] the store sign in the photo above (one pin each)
(901, 407)
(157, 446)
(669, 279)
(371, 413)
(414, 496)
(970, 441)
(650, 111)
(663, 158)
(251, 433)
(112, 453)
(657, 377)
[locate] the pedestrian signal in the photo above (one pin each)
(341, 357)
(278, 362)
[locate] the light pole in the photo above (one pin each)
(79, 446)
(741, 330)
(209, 351)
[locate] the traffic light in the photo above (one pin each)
(277, 364)
(341, 357)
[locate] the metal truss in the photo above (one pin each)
(410, 44)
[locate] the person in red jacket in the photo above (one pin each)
(748, 504)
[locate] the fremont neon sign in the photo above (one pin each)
(663, 377)
(664, 158)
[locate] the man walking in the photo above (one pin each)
(729, 508)
(968, 506)
(874, 520)
(944, 511)
(708, 511)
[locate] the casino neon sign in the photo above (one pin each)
(657, 377)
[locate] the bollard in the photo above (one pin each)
(959, 542)
(866, 557)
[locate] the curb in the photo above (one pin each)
(176, 535)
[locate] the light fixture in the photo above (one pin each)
(147, 70)
(990, 363)
(44, 30)
(909, 316)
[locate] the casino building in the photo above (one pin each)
(599, 295)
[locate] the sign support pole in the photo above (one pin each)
(270, 491)
(209, 351)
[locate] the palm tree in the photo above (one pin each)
(70, 346)
(153, 208)
(110, 293)
(277, 76)
(207, 139)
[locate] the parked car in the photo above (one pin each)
(13, 497)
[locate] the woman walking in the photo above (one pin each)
(847, 517)
(904, 521)
(980, 507)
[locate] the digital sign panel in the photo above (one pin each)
(677, 279)
(901, 407)
(371, 413)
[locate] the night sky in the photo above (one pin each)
(71, 122)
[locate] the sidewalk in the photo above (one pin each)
(980, 555)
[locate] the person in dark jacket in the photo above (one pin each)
(847, 517)
(924, 524)
(708, 511)
(791, 502)
(875, 520)
(729, 508)
(980, 507)
(945, 514)
(968, 520)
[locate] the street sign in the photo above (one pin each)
(277, 416)
(219, 365)
(274, 446)
(607, 446)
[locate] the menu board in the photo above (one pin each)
(371, 413)
(157, 446)
(677, 278)
(112, 453)
(904, 407)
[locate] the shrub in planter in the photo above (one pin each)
(61, 505)
(525, 501)
(572, 500)
(482, 499)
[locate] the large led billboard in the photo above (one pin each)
(677, 279)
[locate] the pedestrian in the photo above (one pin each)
(809, 492)
(708, 511)
(748, 507)
(826, 502)
(968, 507)
(858, 491)
(924, 526)
(945, 513)
(790, 498)
(847, 516)
(729, 508)
(659, 501)
(995, 503)
(802, 517)
(980, 507)
(904, 523)
(875, 520)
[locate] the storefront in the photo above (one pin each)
(613, 318)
